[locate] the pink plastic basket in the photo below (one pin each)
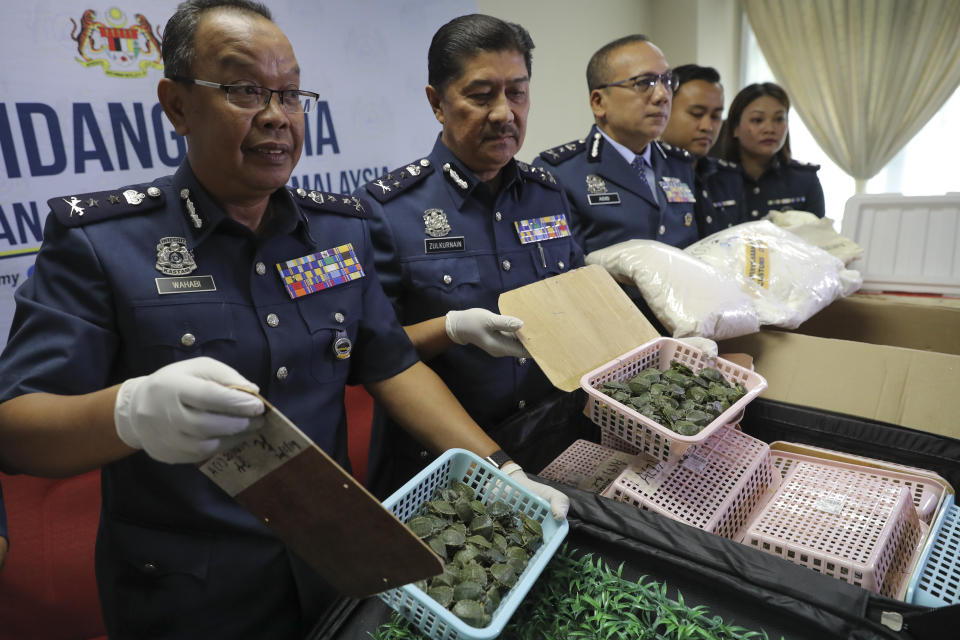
(851, 524)
(647, 436)
(717, 486)
(587, 465)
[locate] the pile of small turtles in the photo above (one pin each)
(485, 548)
(677, 398)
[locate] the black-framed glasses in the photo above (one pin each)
(645, 82)
(251, 96)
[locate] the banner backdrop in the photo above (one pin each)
(79, 112)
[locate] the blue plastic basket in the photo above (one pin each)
(936, 580)
(489, 485)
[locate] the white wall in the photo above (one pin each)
(567, 32)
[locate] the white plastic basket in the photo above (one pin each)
(489, 485)
(649, 437)
(850, 524)
(588, 466)
(717, 486)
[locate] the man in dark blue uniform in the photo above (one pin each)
(148, 303)
(621, 183)
(694, 124)
(456, 228)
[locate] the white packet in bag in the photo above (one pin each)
(688, 296)
(788, 278)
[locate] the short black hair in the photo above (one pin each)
(688, 72)
(178, 42)
(466, 36)
(598, 69)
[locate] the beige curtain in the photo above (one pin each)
(865, 75)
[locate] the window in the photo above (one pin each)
(920, 168)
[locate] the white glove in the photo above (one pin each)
(493, 333)
(708, 346)
(183, 412)
(559, 503)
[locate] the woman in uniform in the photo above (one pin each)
(756, 137)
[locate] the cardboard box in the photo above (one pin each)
(908, 387)
(914, 322)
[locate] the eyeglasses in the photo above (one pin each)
(250, 96)
(645, 82)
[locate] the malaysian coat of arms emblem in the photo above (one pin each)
(123, 50)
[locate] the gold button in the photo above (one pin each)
(561, 265)
(339, 317)
(272, 319)
(188, 339)
(447, 279)
(506, 265)
(261, 268)
(282, 373)
(498, 216)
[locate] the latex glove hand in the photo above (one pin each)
(493, 333)
(708, 346)
(559, 503)
(183, 412)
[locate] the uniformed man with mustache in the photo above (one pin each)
(455, 228)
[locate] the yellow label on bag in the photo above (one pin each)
(758, 263)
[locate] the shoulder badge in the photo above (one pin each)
(389, 186)
(808, 166)
(537, 174)
(558, 154)
(86, 208)
(330, 202)
(668, 150)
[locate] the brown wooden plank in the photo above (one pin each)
(576, 322)
(320, 511)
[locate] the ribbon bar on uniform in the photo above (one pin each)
(318, 271)
(539, 229)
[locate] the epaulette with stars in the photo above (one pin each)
(351, 206)
(392, 184)
(676, 152)
(538, 174)
(86, 208)
(558, 154)
(809, 166)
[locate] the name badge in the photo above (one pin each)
(319, 271)
(780, 201)
(185, 284)
(603, 198)
(444, 245)
(724, 203)
(545, 228)
(676, 190)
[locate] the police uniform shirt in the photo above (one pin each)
(612, 202)
(445, 241)
(783, 187)
(719, 189)
(114, 296)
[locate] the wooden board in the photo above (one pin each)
(576, 322)
(279, 475)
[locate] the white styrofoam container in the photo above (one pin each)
(909, 242)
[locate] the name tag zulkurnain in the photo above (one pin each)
(539, 229)
(319, 271)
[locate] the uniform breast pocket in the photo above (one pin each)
(442, 284)
(551, 257)
(332, 317)
(170, 333)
